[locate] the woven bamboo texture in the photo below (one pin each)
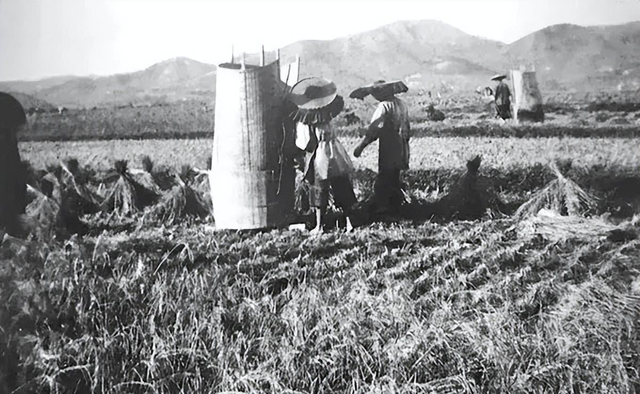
(528, 100)
(251, 188)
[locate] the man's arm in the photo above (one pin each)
(366, 141)
(373, 131)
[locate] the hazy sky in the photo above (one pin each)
(40, 38)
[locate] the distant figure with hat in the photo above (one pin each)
(502, 97)
(13, 187)
(328, 167)
(390, 125)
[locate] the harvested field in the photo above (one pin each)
(152, 300)
(508, 263)
(427, 152)
(465, 116)
(468, 307)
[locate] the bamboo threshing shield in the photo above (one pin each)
(527, 98)
(252, 183)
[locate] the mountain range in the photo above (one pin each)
(428, 54)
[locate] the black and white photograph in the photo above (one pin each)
(316, 197)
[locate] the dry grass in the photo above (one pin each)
(561, 195)
(554, 227)
(126, 196)
(43, 213)
(480, 306)
(182, 201)
(463, 307)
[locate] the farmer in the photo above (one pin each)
(13, 187)
(327, 166)
(502, 97)
(390, 125)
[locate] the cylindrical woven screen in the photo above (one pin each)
(251, 186)
(527, 98)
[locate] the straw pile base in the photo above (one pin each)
(181, 202)
(552, 226)
(561, 195)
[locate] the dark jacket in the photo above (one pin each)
(503, 94)
(13, 186)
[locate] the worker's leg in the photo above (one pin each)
(396, 197)
(381, 191)
(388, 191)
(344, 197)
(319, 199)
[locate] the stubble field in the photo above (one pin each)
(426, 152)
(498, 304)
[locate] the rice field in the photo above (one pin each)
(502, 304)
(426, 152)
(465, 115)
(465, 307)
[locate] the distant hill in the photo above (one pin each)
(29, 87)
(169, 80)
(166, 80)
(30, 102)
(597, 57)
(428, 55)
(430, 51)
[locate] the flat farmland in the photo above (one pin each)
(537, 304)
(491, 305)
(426, 152)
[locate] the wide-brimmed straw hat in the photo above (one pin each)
(316, 100)
(380, 87)
(313, 93)
(498, 77)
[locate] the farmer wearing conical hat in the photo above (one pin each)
(502, 97)
(13, 188)
(390, 125)
(327, 164)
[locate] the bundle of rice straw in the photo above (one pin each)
(53, 174)
(44, 212)
(470, 197)
(161, 176)
(126, 196)
(181, 201)
(561, 195)
(81, 174)
(55, 170)
(75, 191)
(32, 177)
(552, 226)
(202, 187)
(145, 179)
(73, 200)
